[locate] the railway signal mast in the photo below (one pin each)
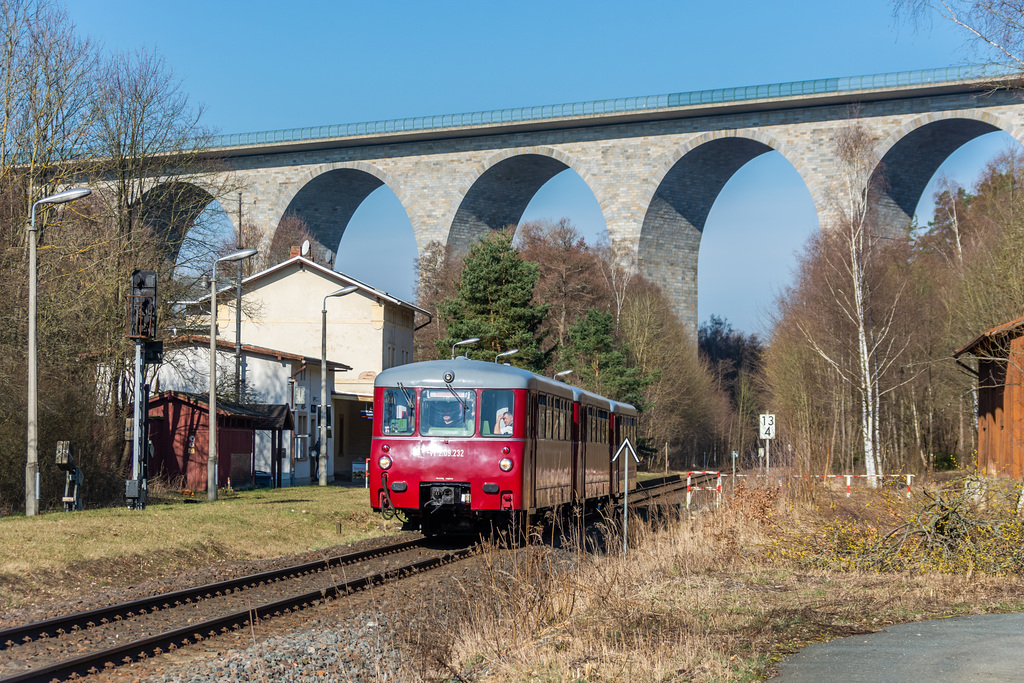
(142, 305)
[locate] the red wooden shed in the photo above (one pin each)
(179, 431)
(999, 353)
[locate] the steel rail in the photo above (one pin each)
(57, 626)
(143, 648)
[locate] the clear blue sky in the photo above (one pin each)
(262, 65)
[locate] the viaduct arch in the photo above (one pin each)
(654, 164)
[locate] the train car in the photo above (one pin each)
(459, 442)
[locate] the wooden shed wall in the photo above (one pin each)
(1001, 413)
(181, 438)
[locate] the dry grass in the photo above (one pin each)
(55, 554)
(705, 598)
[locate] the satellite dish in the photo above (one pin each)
(305, 248)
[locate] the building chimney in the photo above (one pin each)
(295, 251)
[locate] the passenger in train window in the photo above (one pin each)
(504, 422)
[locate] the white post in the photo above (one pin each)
(625, 513)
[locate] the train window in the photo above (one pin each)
(549, 423)
(497, 412)
(560, 415)
(399, 407)
(447, 412)
(563, 422)
(542, 412)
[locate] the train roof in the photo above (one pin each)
(620, 408)
(468, 374)
(584, 396)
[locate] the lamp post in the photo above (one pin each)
(471, 340)
(503, 354)
(322, 456)
(211, 456)
(32, 459)
(563, 373)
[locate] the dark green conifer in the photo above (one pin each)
(494, 301)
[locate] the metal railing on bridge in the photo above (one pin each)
(613, 106)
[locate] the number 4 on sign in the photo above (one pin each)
(767, 426)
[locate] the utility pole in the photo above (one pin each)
(238, 311)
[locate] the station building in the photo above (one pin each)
(367, 331)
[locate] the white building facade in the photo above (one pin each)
(367, 330)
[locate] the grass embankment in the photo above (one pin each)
(719, 596)
(56, 554)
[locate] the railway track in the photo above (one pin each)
(101, 639)
(664, 486)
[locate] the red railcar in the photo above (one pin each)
(458, 442)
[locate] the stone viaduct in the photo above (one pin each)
(655, 164)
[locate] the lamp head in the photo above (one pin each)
(66, 196)
(343, 291)
(471, 340)
(238, 255)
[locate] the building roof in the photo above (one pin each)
(199, 340)
(263, 416)
(341, 278)
(992, 336)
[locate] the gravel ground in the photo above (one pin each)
(344, 640)
(358, 649)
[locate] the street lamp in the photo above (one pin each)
(32, 461)
(563, 373)
(211, 456)
(503, 354)
(471, 340)
(322, 457)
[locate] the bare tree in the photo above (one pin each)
(998, 25)
(570, 276)
(862, 342)
(437, 271)
(619, 267)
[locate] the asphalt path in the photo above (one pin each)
(987, 647)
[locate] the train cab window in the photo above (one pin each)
(497, 412)
(399, 407)
(447, 412)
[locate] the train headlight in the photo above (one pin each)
(505, 464)
(384, 462)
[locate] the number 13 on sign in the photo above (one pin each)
(767, 426)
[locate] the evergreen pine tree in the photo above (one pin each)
(494, 301)
(599, 362)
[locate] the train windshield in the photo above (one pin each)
(399, 416)
(447, 412)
